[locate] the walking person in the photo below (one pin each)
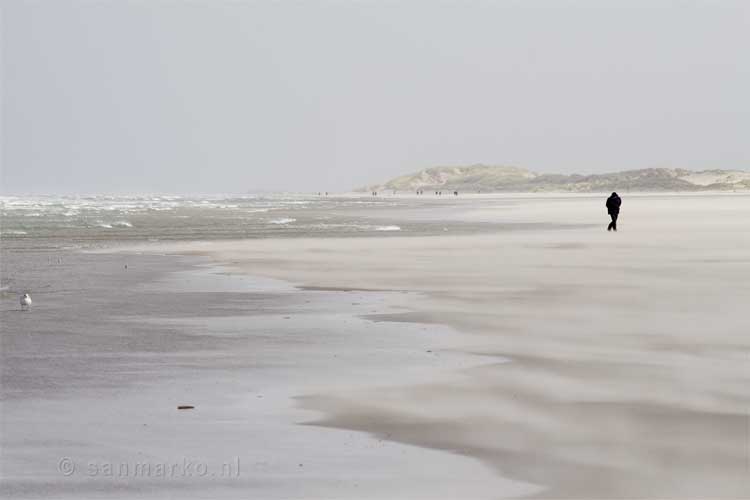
(613, 209)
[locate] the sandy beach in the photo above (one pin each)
(374, 250)
(545, 358)
(629, 350)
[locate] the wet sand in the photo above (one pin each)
(629, 351)
(92, 377)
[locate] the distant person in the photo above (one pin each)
(613, 209)
(455, 193)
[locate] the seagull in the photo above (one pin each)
(25, 301)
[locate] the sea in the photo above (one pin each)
(95, 220)
(85, 220)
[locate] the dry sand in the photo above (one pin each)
(629, 351)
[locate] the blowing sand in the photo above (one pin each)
(543, 358)
(629, 351)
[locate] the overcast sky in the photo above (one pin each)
(149, 96)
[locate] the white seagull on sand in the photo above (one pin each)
(25, 301)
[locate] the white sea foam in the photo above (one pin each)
(387, 228)
(285, 220)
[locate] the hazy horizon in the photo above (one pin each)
(166, 97)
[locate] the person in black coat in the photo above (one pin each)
(613, 209)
